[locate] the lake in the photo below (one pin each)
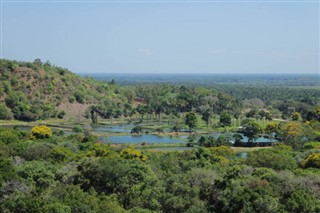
(137, 139)
(148, 138)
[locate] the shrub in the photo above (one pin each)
(5, 112)
(36, 152)
(136, 130)
(61, 154)
(61, 114)
(312, 160)
(41, 132)
(312, 145)
(9, 136)
(77, 128)
(130, 153)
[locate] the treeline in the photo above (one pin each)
(305, 94)
(152, 102)
(42, 171)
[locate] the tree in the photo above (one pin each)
(142, 110)
(295, 116)
(207, 116)
(302, 201)
(5, 112)
(191, 120)
(292, 133)
(314, 114)
(41, 132)
(38, 61)
(251, 130)
(225, 119)
(136, 130)
(272, 129)
(275, 158)
(312, 161)
(7, 170)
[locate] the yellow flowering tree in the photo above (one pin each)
(312, 160)
(295, 116)
(130, 153)
(40, 132)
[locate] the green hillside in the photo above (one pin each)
(37, 90)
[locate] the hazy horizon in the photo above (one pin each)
(164, 37)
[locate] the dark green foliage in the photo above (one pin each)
(76, 174)
(36, 151)
(251, 129)
(225, 119)
(191, 120)
(79, 97)
(277, 159)
(7, 170)
(301, 201)
(136, 130)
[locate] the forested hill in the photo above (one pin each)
(37, 90)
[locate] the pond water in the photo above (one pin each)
(147, 138)
(114, 129)
(143, 138)
(242, 154)
(245, 139)
(261, 139)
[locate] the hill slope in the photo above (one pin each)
(31, 91)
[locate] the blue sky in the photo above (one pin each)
(164, 37)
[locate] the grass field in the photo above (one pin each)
(248, 149)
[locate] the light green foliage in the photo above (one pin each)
(9, 136)
(294, 134)
(39, 173)
(295, 116)
(4, 150)
(224, 151)
(312, 145)
(56, 208)
(130, 153)
(61, 154)
(77, 128)
(272, 128)
(98, 150)
(5, 113)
